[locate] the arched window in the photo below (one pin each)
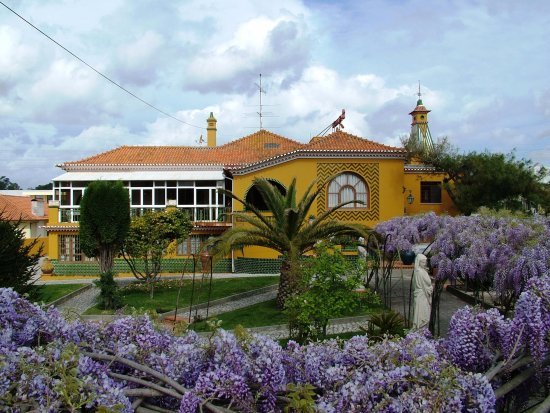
(254, 196)
(348, 187)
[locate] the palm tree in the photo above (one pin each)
(287, 228)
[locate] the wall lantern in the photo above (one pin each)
(410, 198)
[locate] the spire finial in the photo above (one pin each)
(419, 102)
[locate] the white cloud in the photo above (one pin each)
(259, 44)
(137, 62)
(97, 139)
(65, 79)
(16, 56)
(196, 56)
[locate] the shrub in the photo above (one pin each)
(109, 294)
(17, 261)
(327, 291)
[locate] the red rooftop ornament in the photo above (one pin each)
(334, 125)
(338, 122)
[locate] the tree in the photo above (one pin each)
(104, 221)
(17, 261)
(148, 239)
(289, 230)
(44, 186)
(5, 183)
(493, 180)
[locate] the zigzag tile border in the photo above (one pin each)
(370, 172)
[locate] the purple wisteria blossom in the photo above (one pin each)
(501, 254)
(48, 364)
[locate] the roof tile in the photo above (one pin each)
(250, 149)
(343, 141)
(14, 208)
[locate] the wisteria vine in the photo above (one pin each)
(130, 364)
(487, 252)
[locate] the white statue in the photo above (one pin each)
(422, 292)
(361, 251)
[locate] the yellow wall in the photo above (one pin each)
(383, 176)
(53, 247)
(412, 183)
(53, 242)
(42, 241)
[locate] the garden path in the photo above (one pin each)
(400, 281)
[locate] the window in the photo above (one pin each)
(430, 192)
(69, 248)
(136, 196)
(348, 187)
(147, 197)
(160, 196)
(191, 245)
(186, 196)
(199, 198)
(203, 197)
(254, 196)
(77, 196)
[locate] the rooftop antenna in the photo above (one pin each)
(336, 125)
(261, 90)
(419, 94)
(261, 112)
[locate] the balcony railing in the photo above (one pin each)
(69, 214)
(201, 214)
(137, 212)
(208, 214)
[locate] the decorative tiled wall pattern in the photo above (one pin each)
(169, 265)
(258, 265)
(370, 173)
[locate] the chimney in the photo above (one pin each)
(211, 131)
(37, 207)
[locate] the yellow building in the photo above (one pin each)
(189, 177)
(421, 182)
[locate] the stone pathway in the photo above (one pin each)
(230, 305)
(335, 327)
(81, 302)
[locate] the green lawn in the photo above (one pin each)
(264, 314)
(51, 292)
(137, 296)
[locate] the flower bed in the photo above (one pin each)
(49, 364)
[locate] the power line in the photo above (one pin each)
(97, 71)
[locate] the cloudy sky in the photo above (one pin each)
(483, 66)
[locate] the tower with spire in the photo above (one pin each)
(420, 131)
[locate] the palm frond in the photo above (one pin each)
(236, 238)
(272, 197)
(310, 235)
(290, 198)
(247, 206)
(252, 220)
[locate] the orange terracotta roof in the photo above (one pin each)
(420, 108)
(343, 141)
(148, 155)
(256, 147)
(14, 208)
(252, 149)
